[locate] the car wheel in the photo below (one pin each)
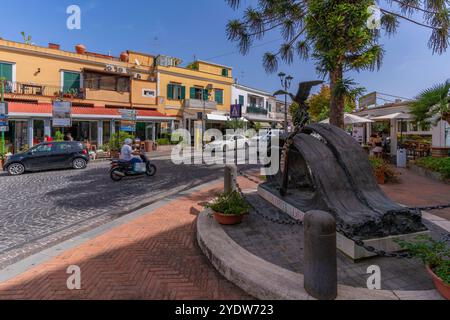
(151, 170)
(16, 169)
(79, 163)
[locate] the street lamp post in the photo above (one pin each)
(286, 84)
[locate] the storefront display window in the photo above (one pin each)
(38, 131)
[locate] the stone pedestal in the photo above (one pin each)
(345, 245)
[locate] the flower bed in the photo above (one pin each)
(439, 165)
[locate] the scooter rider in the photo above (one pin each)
(127, 153)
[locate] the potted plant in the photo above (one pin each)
(116, 143)
(229, 208)
(436, 257)
(382, 171)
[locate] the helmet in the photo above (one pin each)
(128, 141)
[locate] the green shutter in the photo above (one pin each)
(205, 94)
(183, 92)
(71, 81)
(241, 100)
(6, 71)
(219, 96)
(225, 72)
(170, 91)
(192, 93)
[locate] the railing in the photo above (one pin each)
(34, 89)
(256, 110)
(200, 104)
(276, 115)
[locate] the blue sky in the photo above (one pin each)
(197, 27)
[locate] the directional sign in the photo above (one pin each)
(236, 111)
(126, 114)
(128, 126)
(3, 108)
(4, 125)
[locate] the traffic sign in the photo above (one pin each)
(236, 111)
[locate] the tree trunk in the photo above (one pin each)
(337, 98)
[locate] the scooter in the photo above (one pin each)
(121, 169)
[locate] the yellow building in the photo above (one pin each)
(193, 92)
(164, 94)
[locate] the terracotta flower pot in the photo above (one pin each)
(124, 56)
(81, 49)
(228, 220)
(115, 154)
(441, 286)
(380, 178)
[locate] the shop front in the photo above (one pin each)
(30, 123)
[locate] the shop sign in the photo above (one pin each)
(62, 114)
(236, 111)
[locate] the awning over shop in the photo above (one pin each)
(221, 118)
(260, 119)
(393, 116)
(351, 119)
(45, 111)
(217, 117)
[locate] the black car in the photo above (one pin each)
(47, 156)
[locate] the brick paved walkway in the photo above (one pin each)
(156, 256)
(152, 257)
(415, 190)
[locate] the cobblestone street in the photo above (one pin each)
(40, 209)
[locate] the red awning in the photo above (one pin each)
(29, 109)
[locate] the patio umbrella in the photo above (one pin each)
(351, 119)
(396, 116)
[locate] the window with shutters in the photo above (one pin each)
(176, 91)
(199, 93)
(225, 72)
(102, 81)
(6, 71)
(241, 100)
(71, 81)
(218, 96)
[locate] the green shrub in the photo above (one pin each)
(59, 136)
(163, 142)
(232, 204)
(440, 165)
(435, 254)
(118, 139)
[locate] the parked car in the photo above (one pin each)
(266, 137)
(47, 156)
(229, 142)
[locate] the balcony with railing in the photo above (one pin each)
(200, 104)
(253, 109)
(42, 90)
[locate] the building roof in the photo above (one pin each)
(45, 110)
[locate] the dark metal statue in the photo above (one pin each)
(326, 169)
(300, 119)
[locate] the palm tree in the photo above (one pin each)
(337, 32)
(432, 104)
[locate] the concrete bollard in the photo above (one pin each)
(230, 175)
(320, 255)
